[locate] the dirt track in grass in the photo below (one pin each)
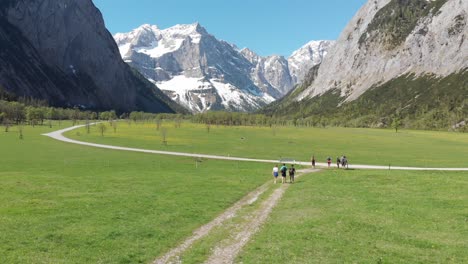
(227, 250)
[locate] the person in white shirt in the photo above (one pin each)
(275, 172)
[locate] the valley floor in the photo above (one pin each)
(66, 203)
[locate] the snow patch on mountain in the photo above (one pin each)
(309, 55)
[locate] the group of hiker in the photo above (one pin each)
(340, 161)
(284, 170)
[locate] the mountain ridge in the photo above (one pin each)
(202, 72)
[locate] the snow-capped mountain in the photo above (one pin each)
(309, 55)
(203, 73)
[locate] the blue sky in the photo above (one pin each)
(265, 26)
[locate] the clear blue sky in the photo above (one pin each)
(265, 26)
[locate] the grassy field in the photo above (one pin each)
(361, 146)
(367, 217)
(63, 203)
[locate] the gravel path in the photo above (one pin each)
(58, 136)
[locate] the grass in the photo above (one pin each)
(367, 217)
(361, 146)
(200, 251)
(64, 203)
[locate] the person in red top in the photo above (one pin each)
(328, 161)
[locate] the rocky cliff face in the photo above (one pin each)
(25, 73)
(204, 73)
(388, 39)
(270, 73)
(309, 55)
(69, 37)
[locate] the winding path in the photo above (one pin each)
(58, 135)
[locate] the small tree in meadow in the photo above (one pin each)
(102, 128)
(158, 123)
(178, 123)
(20, 130)
(164, 135)
(396, 123)
(3, 119)
(114, 126)
(88, 126)
(75, 115)
(93, 116)
(6, 123)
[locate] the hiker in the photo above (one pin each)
(344, 162)
(338, 161)
(292, 171)
(329, 162)
(283, 171)
(313, 161)
(275, 172)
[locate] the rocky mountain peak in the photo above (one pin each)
(250, 55)
(309, 55)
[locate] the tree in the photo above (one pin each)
(93, 116)
(51, 114)
(396, 123)
(164, 135)
(17, 112)
(158, 123)
(75, 115)
(88, 126)
(102, 128)
(178, 123)
(33, 115)
(20, 130)
(114, 126)
(4, 121)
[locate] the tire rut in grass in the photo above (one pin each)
(173, 256)
(227, 250)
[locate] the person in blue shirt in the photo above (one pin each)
(283, 171)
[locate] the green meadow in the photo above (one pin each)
(351, 216)
(64, 203)
(361, 146)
